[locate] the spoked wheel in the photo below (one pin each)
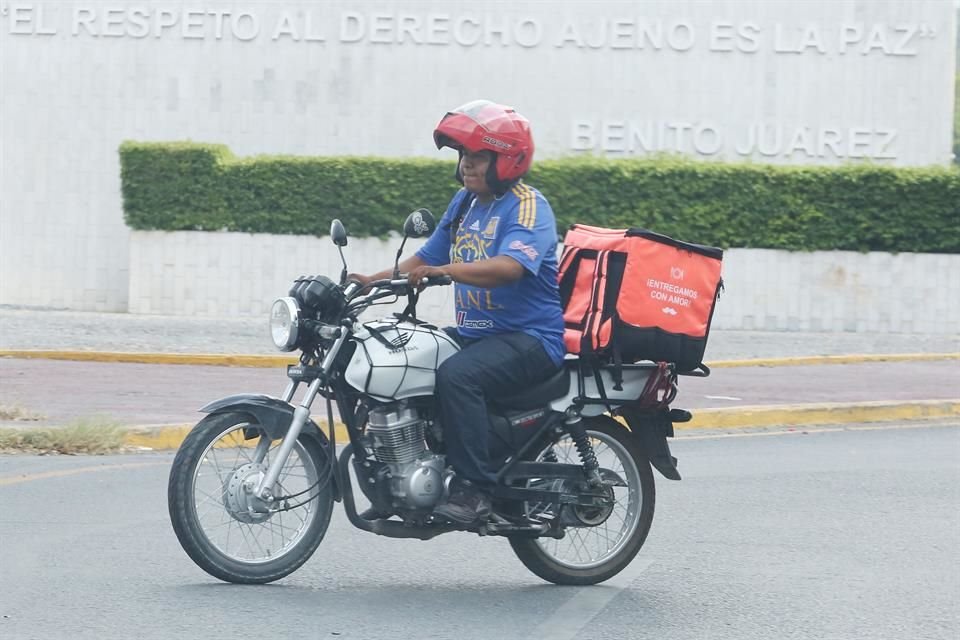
(600, 541)
(228, 531)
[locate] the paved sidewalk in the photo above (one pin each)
(70, 330)
(732, 398)
(140, 394)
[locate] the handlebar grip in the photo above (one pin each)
(437, 281)
(402, 282)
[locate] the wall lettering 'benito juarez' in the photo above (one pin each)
(812, 82)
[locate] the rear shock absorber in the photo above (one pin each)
(591, 468)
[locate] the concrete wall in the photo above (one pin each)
(198, 273)
(220, 274)
(819, 81)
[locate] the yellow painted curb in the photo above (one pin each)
(163, 437)
(171, 436)
(845, 359)
(219, 360)
(826, 413)
(268, 361)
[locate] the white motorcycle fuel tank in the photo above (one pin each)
(395, 360)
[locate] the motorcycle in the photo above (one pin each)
(252, 487)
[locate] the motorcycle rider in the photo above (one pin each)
(497, 242)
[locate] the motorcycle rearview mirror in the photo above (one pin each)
(338, 233)
(418, 224)
(339, 236)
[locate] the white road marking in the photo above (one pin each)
(586, 603)
(734, 398)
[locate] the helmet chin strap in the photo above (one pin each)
(498, 186)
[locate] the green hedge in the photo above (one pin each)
(182, 186)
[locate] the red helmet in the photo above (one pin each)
(484, 125)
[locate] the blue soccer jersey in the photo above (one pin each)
(519, 224)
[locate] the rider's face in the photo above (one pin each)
(473, 167)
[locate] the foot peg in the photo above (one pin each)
(374, 514)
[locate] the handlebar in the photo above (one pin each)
(361, 296)
(437, 281)
(403, 283)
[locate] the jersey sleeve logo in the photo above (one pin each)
(525, 249)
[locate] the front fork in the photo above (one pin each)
(301, 414)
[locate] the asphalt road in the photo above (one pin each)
(828, 535)
(141, 394)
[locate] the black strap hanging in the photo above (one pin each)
(410, 312)
(458, 219)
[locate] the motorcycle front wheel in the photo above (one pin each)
(222, 526)
(598, 543)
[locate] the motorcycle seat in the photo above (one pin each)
(540, 394)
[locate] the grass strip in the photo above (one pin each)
(85, 436)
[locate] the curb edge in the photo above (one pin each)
(170, 436)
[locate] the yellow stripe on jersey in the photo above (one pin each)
(527, 215)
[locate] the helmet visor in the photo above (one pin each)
(483, 112)
(479, 125)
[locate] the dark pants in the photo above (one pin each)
(500, 365)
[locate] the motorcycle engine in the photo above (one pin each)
(396, 433)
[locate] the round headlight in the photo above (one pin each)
(285, 323)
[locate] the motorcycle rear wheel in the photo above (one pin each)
(591, 554)
(221, 528)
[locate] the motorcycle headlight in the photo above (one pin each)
(285, 323)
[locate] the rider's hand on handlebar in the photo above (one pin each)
(418, 275)
(362, 279)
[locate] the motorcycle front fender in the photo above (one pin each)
(273, 415)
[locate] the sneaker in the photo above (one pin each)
(468, 504)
